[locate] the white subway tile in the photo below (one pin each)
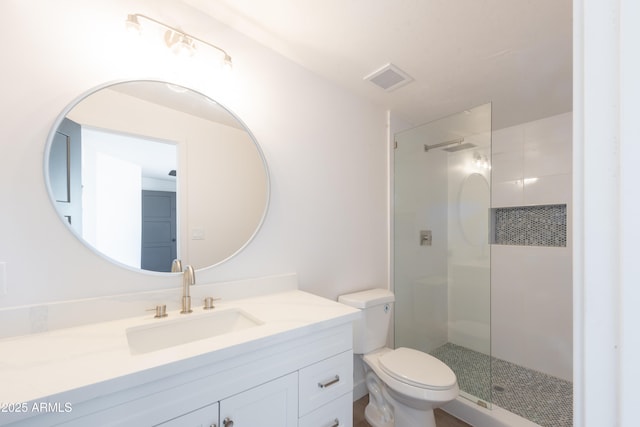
(507, 166)
(547, 190)
(551, 130)
(547, 159)
(507, 140)
(507, 193)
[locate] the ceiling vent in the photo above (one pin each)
(389, 78)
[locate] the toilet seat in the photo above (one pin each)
(404, 390)
(418, 369)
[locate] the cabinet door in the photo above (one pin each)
(274, 404)
(203, 417)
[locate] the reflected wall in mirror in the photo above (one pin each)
(144, 172)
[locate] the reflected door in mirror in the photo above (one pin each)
(64, 173)
(158, 230)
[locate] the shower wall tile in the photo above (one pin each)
(531, 308)
(547, 159)
(536, 157)
(507, 193)
(531, 287)
(551, 189)
(550, 130)
(507, 139)
(469, 288)
(506, 166)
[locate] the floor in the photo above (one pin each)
(442, 418)
(543, 399)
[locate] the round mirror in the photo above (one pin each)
(145, 172)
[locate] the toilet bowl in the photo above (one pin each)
(413, 384)
(405, 385)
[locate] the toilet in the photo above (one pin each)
(404, 385)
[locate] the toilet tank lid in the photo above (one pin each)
(368, 298)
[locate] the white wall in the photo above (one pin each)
(326, 150)
(531, 287)
(607, 208)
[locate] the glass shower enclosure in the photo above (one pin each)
(441, 253)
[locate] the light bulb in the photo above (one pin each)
(179, 43)
(133, 25)
(227, 62)
(184, 47)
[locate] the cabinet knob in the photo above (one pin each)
(228, 422)
(336, 423)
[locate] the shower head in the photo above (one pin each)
(457, 142)
(460, 147)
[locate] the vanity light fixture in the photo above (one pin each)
(178, 41)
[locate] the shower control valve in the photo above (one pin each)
(425, 238)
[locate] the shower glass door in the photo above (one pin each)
(441, 248)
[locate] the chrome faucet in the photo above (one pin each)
(188, 279)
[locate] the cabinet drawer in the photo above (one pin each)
(324, 381)
(337, 413)
(207, 416)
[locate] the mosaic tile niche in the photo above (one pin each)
(544, 225)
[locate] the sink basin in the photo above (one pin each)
(187, 328)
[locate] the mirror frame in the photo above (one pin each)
(47, 151)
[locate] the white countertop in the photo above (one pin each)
(35, 367)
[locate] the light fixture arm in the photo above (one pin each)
(133, 19)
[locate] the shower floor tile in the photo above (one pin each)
(541, 398)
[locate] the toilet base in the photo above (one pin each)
(407, 417)
(410, 417)
(375, 418)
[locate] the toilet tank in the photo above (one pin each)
(371, 328)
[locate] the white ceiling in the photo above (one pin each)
(460, 53)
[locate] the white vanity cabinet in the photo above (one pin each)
(299, 379)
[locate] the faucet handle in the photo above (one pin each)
(208, 303)
(161, 311)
